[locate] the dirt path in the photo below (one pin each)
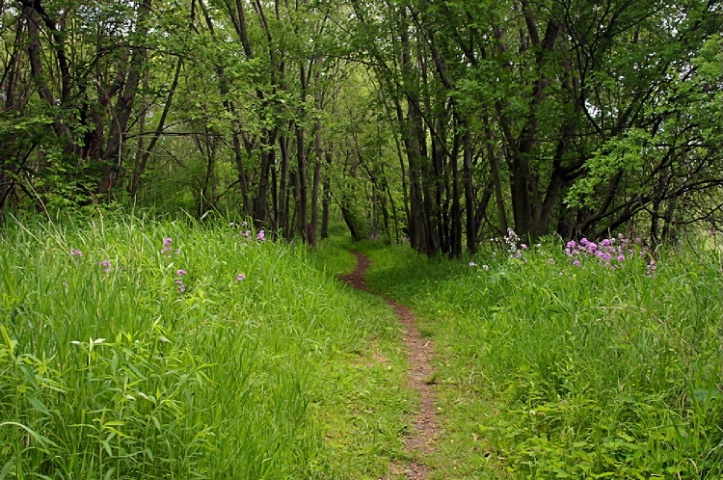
(420, 440)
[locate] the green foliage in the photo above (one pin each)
(626, 154)
(550, 370)
(124, 355)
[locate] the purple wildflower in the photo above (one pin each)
(181, 273)
(181, 286)
(167, 241)
(76, 253)
(523, 246)
(240, 277)
(261, 236)
(576, 263)
(550, 260)
(621, 258)
(107, 265)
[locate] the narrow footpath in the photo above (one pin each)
(420, 439)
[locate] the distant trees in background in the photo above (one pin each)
(441, 122)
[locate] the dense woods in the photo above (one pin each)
(438, 122)
(170, 168)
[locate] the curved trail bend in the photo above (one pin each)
(419, 441)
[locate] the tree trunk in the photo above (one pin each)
(111, 161)
(456, 213)
(267, 159)
(469, 196)
(301, 206)
(495, 173)
(144, 154)
(316, 181)
(282, 214)
(326, 198)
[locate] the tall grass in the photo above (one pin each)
(555, 370)
(124, 354)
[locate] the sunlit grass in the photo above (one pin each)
(210, 355)
(553, 370)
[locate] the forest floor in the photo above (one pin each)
(421, 438)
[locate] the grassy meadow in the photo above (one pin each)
(135, 349)
(577, 361)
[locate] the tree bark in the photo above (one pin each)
(124, 106)
(326, 197)
(316, 181)
(469, 196)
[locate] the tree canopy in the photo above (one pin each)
(437, 122)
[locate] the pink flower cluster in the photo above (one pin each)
(168, 247)
(260, 235)
(179, 282)
(612, 252)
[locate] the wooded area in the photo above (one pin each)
(441, 122)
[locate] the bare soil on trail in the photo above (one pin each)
(420, 439)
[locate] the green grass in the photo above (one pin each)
(549, 370)
(118, 374)
(544, 369)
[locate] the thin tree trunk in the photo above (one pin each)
(316, 181)
(282, 219)
(413, 133)
(495, 172)
(469, 196)
(224, 90)
(267, 159)
(326, 198)
(456, 221)
(301, 206)
(136, 178)
(143, 155)
(124, 107)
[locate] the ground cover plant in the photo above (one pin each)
(155, 349)
(585, 360)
